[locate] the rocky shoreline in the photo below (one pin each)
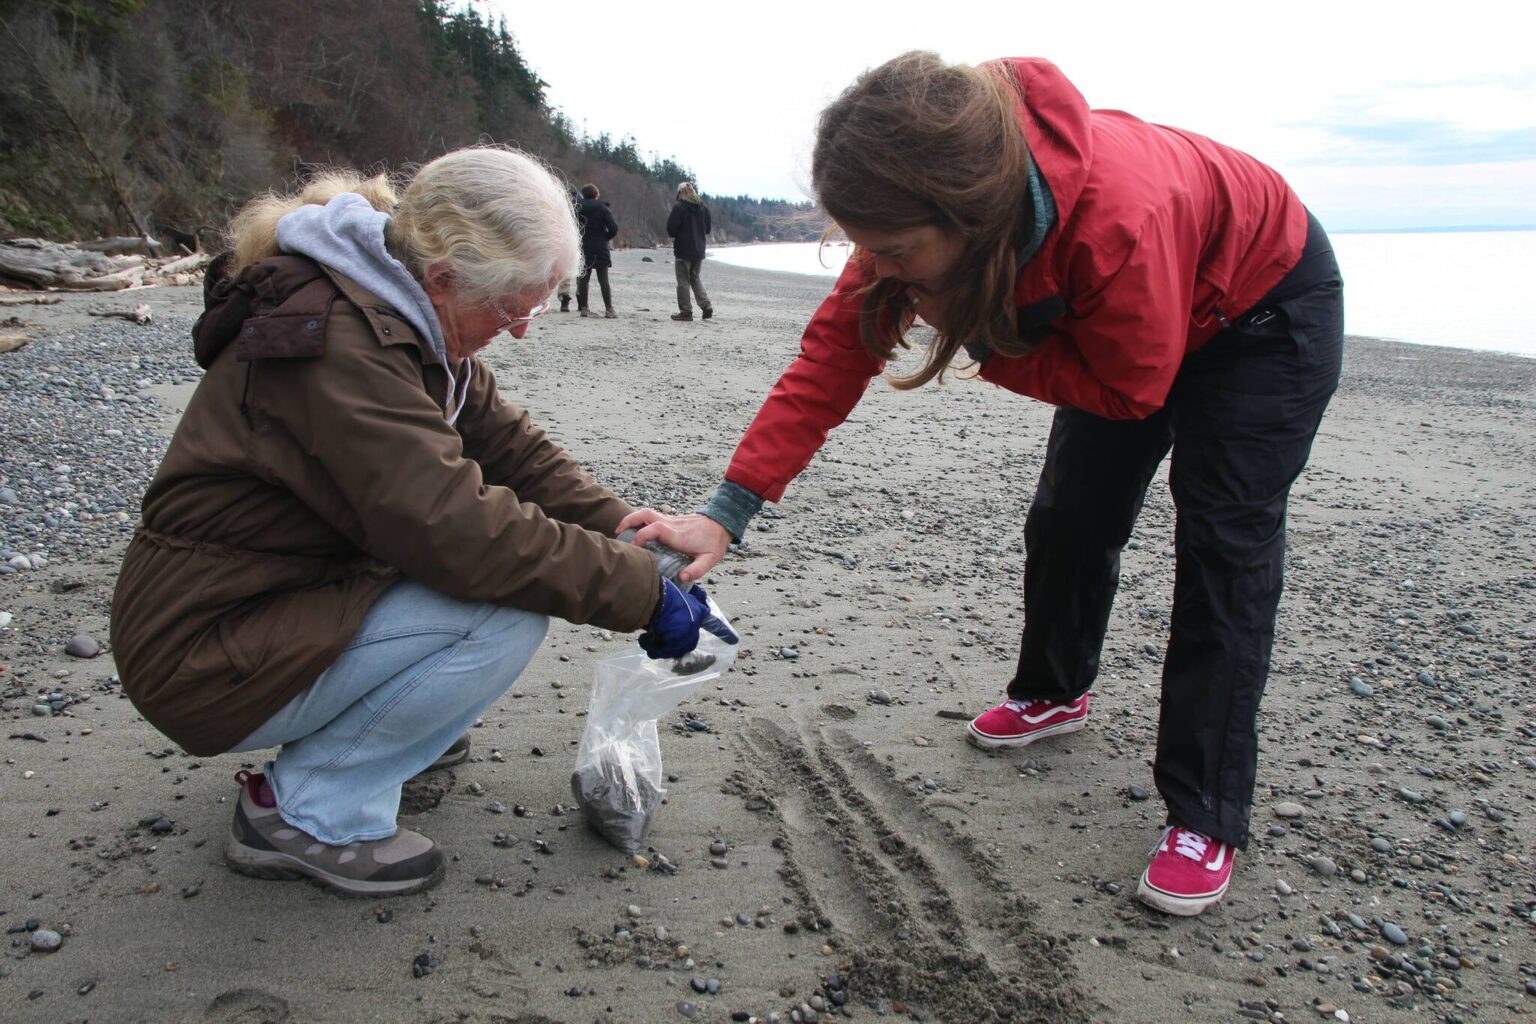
(830, 846)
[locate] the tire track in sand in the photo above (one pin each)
(919, 912)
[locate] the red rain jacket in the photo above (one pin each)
(1161, 235)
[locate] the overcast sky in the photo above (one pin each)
(1380, 114)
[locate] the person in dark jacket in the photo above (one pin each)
(1165, 293)
(354, 543)
(598, 227)
(688, 224)
(567, 288)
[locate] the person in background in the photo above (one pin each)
(598, 227)
(565, 292)
(1164, 292)
(354, 544)
(688, 224)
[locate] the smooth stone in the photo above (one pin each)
(1137, 793)
(1459, 818)
(82, 646)
(1283, 887)
(1324, 866)
(1287, 809)
(1393, 934)
(881, 697)
(1412, 796)
(1356, 875)
(1380, 845)
(687, 1008)
(19, 562)
(1362, 688)
(46, 940)
(1437, 723)
(717, 848)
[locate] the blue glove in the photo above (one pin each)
(674, 629)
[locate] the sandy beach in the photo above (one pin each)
(875, 865)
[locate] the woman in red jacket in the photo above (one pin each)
(1165, 293)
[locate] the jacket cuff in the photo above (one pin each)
(732, 506)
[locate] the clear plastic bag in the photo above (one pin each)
(617, 781)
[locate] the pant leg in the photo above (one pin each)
(420, 670)
(582, 284)
(602, 283)
(1245, 410)
(1091, 488)
(695, 270)
(684, 299)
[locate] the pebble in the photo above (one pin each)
(46, 940)
(1393, 934)
(881, 697)
(1361, 688)
(82, 646)
(1324, 866)
(1380, 845)
(1459, 818)
(1283, 887)
(1288, 809)
(1410, 795)
(687, 1008)
(1137, 793)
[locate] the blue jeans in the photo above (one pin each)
(421, 669)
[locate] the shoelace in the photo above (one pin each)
(1189, 844)
(1022, 707)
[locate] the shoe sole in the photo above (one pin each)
(446, 762)
(277, 866)
(981, 739)
(1179, 906)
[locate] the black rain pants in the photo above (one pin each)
(1240, 420)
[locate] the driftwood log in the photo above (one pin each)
(32, 300)
(39, 263)
(10, 341)
(35, 263)
(139, 314)
(122, 244)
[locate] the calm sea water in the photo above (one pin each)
(1460, 289)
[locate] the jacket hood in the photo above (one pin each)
(347, 235)
(228, 302)
(1056, 123)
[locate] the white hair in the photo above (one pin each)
(498, 218)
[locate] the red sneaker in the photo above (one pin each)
(1188, 873)
(1019, 723)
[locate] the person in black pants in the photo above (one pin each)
(688, 224)
(1166, 293)
(598, 227)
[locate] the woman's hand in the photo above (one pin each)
(695, 535)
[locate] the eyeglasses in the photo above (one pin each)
(508, 322)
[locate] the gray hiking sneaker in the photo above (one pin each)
(263, 845)
(456, 754)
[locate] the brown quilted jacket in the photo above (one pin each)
(311, 469)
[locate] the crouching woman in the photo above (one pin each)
(353, 544)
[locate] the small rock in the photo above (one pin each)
(1137, 793)
(46, 940)
(1287, 809)
(1393, 934)
(881, 697)
(82, 646)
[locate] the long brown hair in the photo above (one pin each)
(918, 142)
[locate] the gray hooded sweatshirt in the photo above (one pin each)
(347, 235)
